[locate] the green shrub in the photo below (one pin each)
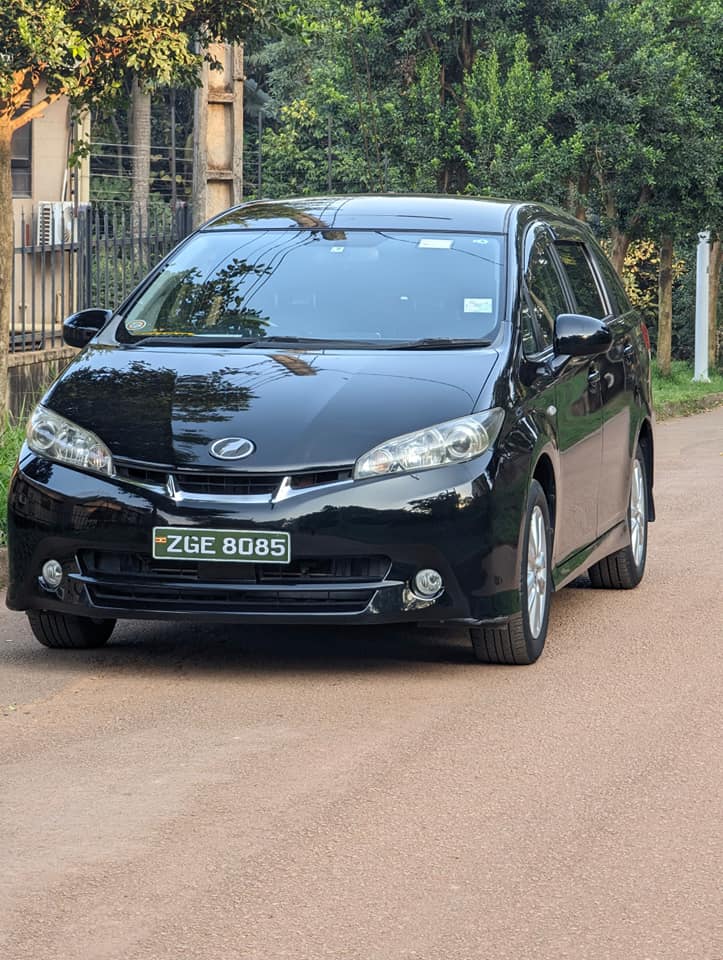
(11, 439)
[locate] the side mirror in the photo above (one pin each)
(80, 328)
(579, 336)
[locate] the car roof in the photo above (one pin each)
(374, 211)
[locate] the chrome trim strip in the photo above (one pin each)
(286, 491)
(182, 495)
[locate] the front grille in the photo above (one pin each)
(140, 596)
(223, 483)
(227, 484)
(137, 581)
(141, 474)
(301, 480)
(101, 564)
(336, 570)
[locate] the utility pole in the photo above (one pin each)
(218, 134)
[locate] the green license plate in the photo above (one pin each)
(242, 546)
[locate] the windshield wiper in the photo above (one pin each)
(192, 340)
(439, 343)
(327, 342)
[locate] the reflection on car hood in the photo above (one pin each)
(301, 409)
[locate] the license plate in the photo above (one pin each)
(241, 546)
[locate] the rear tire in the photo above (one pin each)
(624, 569)
(63, 631)
(522, 638)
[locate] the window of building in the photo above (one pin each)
(21, 161)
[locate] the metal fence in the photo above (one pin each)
(68, 258)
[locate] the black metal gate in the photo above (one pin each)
(68, 258)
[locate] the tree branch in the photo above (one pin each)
(34, 112)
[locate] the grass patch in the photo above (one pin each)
(678, 395)
(11, 438)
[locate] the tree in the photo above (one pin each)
(140, 144)
(83, 51)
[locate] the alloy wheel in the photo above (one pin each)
(537, 572)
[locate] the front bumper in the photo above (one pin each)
(355, 549)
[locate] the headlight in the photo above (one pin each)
(452, 442)
(52, 436)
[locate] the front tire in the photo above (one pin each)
(624, 569)
(63, 631)
(522, 639)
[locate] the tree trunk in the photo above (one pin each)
(6, 260)
(665, 304)
(620, 244)
(716, 262)
(140, 135)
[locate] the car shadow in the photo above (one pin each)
(160, 647)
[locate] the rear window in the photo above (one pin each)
(332, 284)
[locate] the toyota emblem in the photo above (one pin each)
(232, 448)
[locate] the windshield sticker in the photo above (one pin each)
(478, 305)
(336, 250)
(435, 243)
(482, 240)
(136, 324)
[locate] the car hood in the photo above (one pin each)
(302, 409)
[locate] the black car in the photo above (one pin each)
(344, 410)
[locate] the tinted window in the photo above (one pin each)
(546, 295)
(582, 280)
(331, 284)
(615, 290)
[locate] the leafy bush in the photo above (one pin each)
(11, 439)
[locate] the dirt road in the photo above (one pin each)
(201, 793)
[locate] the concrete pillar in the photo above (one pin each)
(218, 134)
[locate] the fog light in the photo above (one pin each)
(428, 583)
(52, 574)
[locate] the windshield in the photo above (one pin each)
(330, 285)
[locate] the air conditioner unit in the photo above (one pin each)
(56, 223)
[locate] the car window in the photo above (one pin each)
(546, 297)
(371, 285)
(582, 279)
(615, 289)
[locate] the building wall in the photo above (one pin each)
(51, 178)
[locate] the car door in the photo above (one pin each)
(573, 388)
(593, 299)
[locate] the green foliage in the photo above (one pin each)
(611, 108)
(11, 438)
(84, 50)
(511, 150)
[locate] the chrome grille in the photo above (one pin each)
(224, 483)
